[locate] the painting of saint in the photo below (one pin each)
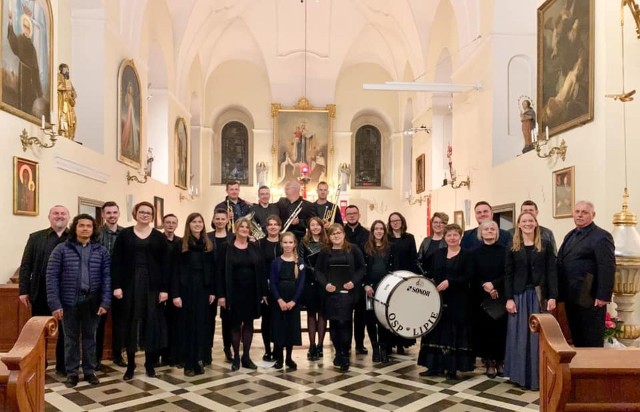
(129, 113)
(182, 154)
(26, 59)
(25, 187)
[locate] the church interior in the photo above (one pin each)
(219, 87)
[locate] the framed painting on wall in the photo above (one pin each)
(26, 187)
(181, 159)
(565, 64)
(26, 50)
(129, 115)
(158, 205)
(458, 218)
(563, 192)
(420, 174)
(302, 137)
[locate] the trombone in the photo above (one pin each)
(294, 215)
(330, 213)
(231, 225)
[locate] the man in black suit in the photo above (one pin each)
(586, 268)
(288, 204)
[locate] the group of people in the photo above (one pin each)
(164, 291)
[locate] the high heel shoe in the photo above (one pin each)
(291, 364)
(491, 369)
(128, 375)
(235, 363)
(248, 363)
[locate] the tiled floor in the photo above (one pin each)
(315, 386)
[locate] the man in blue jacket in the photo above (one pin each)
(78, 293)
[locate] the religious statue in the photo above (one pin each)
(344, 171)
(528, 119)
(261, 170)
(149, 167)
(66, 103)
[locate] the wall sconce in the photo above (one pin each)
(147, 170)
(27, 140)
(560, 151)
(191, 194)
(412, 200)
(415, 130)
(453, 182)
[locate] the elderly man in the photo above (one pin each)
(33, 271)
(586, 267)
(483, 213)
(79, 292)
(288, 204)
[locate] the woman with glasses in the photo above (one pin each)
(242, 287)
(403, 256)
(140, 281)
(312, 294)
(432, 243)
(339, 268)
(271, 249)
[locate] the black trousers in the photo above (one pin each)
(378, 334)
(359, 320)
(586, 325)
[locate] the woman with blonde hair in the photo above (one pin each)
(530, 279)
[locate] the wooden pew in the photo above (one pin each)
(584, 379)
(22, 369)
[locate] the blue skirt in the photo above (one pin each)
(521, 363)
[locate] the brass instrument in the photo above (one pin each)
(294, 215)
(256, 229)
(330, 214)
(231, 225)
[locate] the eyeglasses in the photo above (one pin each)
(142, 212)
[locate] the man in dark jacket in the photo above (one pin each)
(33, 271)
(233, 204)
(79, 292)
(586, 269)
(288, 204)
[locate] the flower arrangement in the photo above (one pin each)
(612, 327)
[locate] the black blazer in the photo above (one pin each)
(286, 208)
(543, 271)
(183, 279)
(592, 252)
(33, 267)
(403, 253)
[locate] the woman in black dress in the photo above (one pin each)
(312, 295)
(487, 289)
(242, 287)
(193, 291)
(140, 280)
(403, 256)
(286, 281)
(339, 268)
(448, 346)
(432, 243)
(376, 255)
(270, 248)
(531, 278)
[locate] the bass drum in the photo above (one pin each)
(407, 304)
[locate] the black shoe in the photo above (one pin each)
(291, 364)
(72, 381)
(227, 354)
(120, 362)
(452, 376)
(337, 361)
(151, 372)
(278, 364)
(267, 357)
(319, 353)
(128, 375)
(235, 364)
(189, 372)
(199, 369)
(400, 350)
(376, 354)
(311, 353)
(430, 372)
(248, 363)
(92, 379)
(61, 374)
(344, 367)
(384, 358)
(361, 350)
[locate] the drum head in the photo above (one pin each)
(409, 305)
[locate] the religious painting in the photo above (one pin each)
(368, 157)
(26, 62)
(563, 192)
(158, 206)
(235, 153)
(181, 157)
(565, 64)
(129, 115)
(420, 174)
(26, 187)
(303, 143)
(458, 218)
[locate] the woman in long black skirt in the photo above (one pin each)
(270, 248)
(193, 291)
(140, 280)
(286, 281)
(531, 278)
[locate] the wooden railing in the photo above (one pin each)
(22, 369)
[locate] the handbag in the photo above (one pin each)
(495, 308)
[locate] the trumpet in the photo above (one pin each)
(256, 230)
(330, 214)
(294, 215)
(231, 225)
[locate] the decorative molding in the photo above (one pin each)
(80, 169)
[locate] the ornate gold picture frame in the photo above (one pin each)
(181, 156)
(420, 174)
(26, 187)
(129, 115)
(564, 194)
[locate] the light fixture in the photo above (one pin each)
(415, 130)
(423, 87)
(191, 194)
(27, 140)
(147, 170)
(412, 200)
(560, 151)
(635, 12)
(453, 182)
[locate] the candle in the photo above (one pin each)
(42, 121)
(546, 132)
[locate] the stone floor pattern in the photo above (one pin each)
(315, 386)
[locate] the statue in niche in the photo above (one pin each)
(66, 103)
(528, 120)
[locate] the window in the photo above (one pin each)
(235, 153)
(368, 157)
